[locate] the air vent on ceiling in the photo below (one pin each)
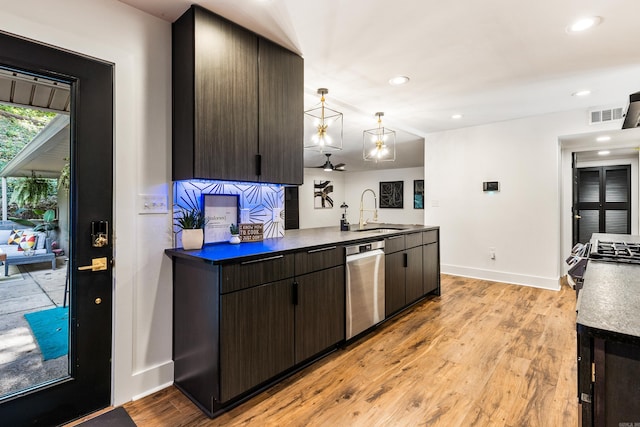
(606, 115)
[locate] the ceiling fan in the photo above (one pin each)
(328, 166)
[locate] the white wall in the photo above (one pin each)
(523, 220)
(311, 217)
(357, 182)
(348, 186)
(140, 47)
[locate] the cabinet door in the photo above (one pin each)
(256, 336)
(225, 99)
(431, 265)
(320, 312)
(281, 107)
(413, 278)
(394, 287)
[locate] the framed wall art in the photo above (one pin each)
(418, 194)
(322, 198)
(220, 210)
(392, 194)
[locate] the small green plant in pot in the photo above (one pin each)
(235, 238)
(190, 219)
(191, 222)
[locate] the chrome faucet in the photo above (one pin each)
(363, 222)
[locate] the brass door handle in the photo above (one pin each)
(97, 264)
(577, 217)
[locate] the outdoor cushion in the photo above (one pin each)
(28, 241)
(14, 237)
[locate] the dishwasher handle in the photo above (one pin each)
(364, 247)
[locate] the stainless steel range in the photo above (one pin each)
(617, 248)
(615, 251)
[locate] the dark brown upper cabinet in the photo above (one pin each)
(237, 103)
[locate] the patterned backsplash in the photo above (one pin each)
(259, 203)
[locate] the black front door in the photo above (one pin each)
(87, 386)
(602, 203)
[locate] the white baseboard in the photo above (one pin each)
(151, 391)
(550, 283)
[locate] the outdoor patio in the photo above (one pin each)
(28, 288)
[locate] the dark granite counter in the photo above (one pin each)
(294, 240)
(609, 303)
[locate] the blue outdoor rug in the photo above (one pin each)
(51, 329)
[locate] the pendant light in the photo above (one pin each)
(379, 144)
(322, 127)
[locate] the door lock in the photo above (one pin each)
(97, 264)
(99, 233)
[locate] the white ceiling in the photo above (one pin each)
(489, 60)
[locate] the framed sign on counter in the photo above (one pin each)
(220, 210)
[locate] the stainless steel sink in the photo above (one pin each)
(379, 230)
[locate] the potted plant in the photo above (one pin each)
(191, 222)
(235, 234)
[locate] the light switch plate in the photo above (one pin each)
(152, 204)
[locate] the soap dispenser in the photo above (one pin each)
(344, 224)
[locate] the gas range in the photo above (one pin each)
(618, 250)
(614, 248)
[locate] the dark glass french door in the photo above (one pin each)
(602, 201)
(87, 385)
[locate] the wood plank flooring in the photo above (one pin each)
(482, 354)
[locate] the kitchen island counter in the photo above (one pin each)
(608, 303)
(294, 240)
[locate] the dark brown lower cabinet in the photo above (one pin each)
(431, 267)
(256, 336)
(608, 381)
(319, 313)
(394, 288)
(413, 275)
(403, 279)
(234, 335)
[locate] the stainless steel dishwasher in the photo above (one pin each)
(365, 287)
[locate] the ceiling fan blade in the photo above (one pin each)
(339, 165)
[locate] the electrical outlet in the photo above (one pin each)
(492, 253)
(152, 204)
(275, 216)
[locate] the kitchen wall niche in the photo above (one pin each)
(261, 203)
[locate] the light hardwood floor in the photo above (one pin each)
(482, 354)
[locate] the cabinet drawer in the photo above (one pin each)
(412, 240)
(256, 272)
(319, 259)
(429, 236)
(394, 244)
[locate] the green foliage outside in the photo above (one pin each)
(18, 126)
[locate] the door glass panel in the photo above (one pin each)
(616, 221)
(616, 186)
(589, 187)
(589, 224)
(34, 231)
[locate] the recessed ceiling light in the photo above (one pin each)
(604, 152)
(456, 116)
(398, 80)
(603, 138)
(581, 93)
(584, 24)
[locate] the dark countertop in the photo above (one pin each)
(293, 240)
(609, 302)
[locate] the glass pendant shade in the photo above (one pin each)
(322, 127)
(379, 144)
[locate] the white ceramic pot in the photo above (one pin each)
(192, 238)
(234, 239)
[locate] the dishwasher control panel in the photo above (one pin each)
(365, 247)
